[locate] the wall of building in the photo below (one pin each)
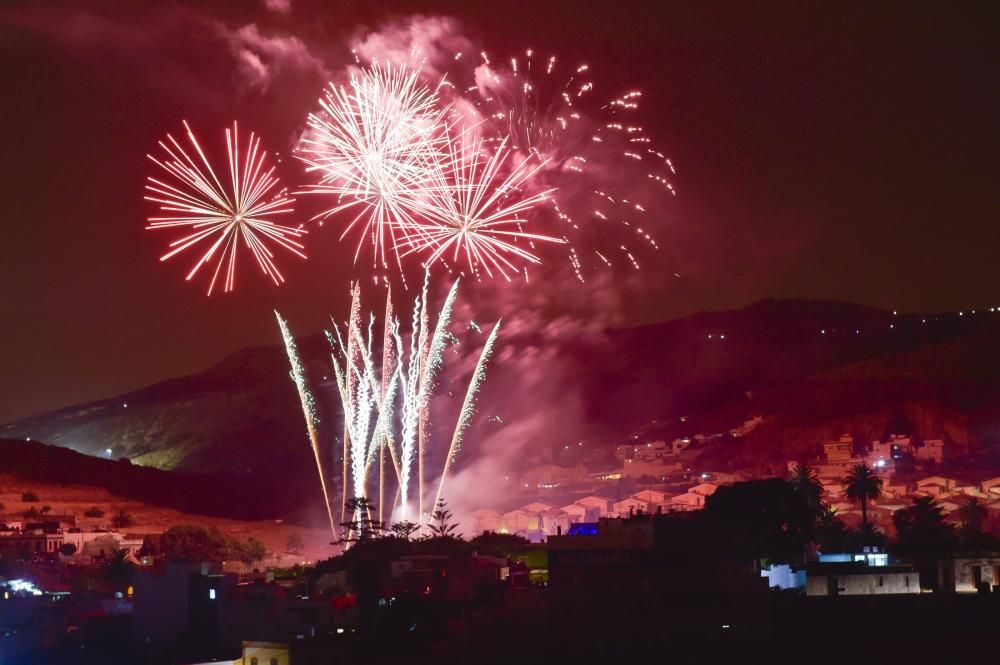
(872, 584)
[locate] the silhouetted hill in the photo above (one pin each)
(804, 361)
(250, 496)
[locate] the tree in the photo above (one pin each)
(118, 569)
(805, 481)
(67, 549)
(46, 510)
(93, 511)
(404, 529)
(32, 513)
(863, 485)
(497, 544)
(29, 497)
(2, 507)
(831, 532)
(921, 526)
(192, 542)
(122, 520)
(362, 526)
(253, 551)
(442, 525)
(294, 543)
(972, 515)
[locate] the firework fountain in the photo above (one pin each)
(386, 402)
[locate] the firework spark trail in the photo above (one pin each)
(555, 114)
(373, 145)
(468, 406)
(223, 216)
(475, 208)
(298, 375)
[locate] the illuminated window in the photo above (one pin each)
(211, 594)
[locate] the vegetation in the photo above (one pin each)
(363, 526)
(442, 525)
(46, 510)
(921, 526)
(194, 543)
(122, 520)
(67, 549)
(863, 485)
(404, 529)
(29, 497)
(93, 511)
(294, 543)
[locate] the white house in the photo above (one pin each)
(936, 485)
(487, 520)
(601, 503)
(932, 450)
(859, 579)
(628, 507)
(686, 501)
(652, 498)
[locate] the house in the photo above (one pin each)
(577, 512)
(677, 445)
(654, 450)
(991, 486)
(895, 490)
(628, 507)
(685, 502)
(521, 522)
(936, 486)
(857, 578)
(840, 451)
(602, 504)
(652, 498)
(932, 450)
(704, 489)
(554, 521)
(487, 520)
(536, 507)
(965, 573)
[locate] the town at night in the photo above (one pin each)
(427, 331)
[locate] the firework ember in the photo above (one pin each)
(223, 217)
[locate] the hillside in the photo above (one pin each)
(809, 363)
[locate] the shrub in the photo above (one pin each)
(29, 497)
(93, 511)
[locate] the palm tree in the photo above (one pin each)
(863, 485)
(972, 515)
(806, 482)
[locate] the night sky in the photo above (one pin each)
(843, 152)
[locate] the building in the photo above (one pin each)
(857, 578)
(931, 451)
(968, 572)
(936, 486)
(27, 543)
(601, 503)
(630, 506)
(840, 451)
(685, 502)
(487, 520)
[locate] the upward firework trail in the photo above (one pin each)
(222, 217)
(298, 374)
(375, 145)
(372, 412)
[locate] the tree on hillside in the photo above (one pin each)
(362, 527)
(921, 526)
(194, 543)
(122, 520)
(442, 526)
(46, 510)
(404, 529)
(67, 549)
(863, 485)
(294, 543)
(93, 511)
(2, 507)
(253, 551)
(29, 497)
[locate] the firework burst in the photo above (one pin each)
(477, 208)
(375, 145)
(222, 217)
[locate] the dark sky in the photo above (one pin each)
(829, 151)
